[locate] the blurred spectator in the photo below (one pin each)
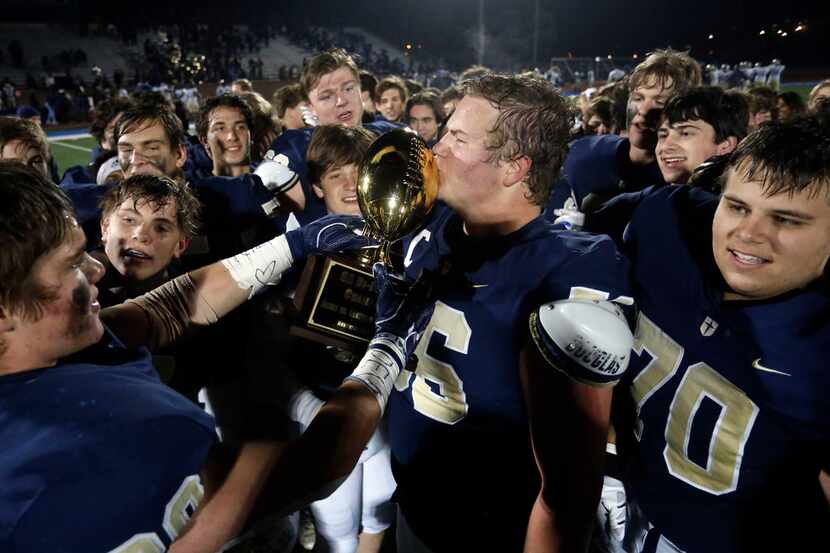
(265, 130)
(819, 93)
(24, 141)
(390, 98)
(288, 103)
(241, 85)
(599, 117)
(790, 104)
(368, 84)
(425, 114)
(763, 106)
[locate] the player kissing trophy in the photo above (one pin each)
(396, 189)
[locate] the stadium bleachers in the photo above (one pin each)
(40, 39)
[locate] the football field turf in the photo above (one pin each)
(71, 151)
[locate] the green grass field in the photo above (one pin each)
(72, 152)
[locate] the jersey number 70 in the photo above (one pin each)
(733, 426)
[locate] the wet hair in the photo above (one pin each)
(146, 115)
(533, 121)
(285, 97)
(158, 192)
(105, 113)
(151, 98)
(788, 156)
(316, 67)
(35, 218)
(225, 100)
(429, 100)
(335, 146)
(725, 111)
(244, 85)
(474, 72)
(666, 68)
(392, 82)
(29, 134)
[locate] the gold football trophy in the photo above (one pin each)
(396, 189)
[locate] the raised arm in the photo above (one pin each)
(203, 296)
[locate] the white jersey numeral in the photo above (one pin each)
(447, 402)
(176, 516)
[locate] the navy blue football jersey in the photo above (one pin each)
(198, 164)
(458, 426)
(98, 455)
(77, 175)
(600, 166)
(731, 419)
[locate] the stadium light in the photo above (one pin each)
(784, 33)
(711, 36)
(763, 32)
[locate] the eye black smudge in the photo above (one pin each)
(80, 299)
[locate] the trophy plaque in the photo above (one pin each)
(397, 186)
(335, 302)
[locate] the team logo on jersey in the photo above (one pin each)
(708, 327)
(757, 364)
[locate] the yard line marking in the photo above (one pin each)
(72, 146)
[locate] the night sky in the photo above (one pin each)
(446, 28)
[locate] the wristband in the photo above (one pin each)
(260, 266)
(378, 371)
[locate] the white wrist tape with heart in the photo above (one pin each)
(260, 266)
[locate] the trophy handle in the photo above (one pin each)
(369, 257)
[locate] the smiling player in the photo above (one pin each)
(224, 129)
(726, 395)
(696, 125)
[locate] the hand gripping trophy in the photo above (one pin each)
(396, 189)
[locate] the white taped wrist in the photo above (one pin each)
(260, 266)
(378, 371)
